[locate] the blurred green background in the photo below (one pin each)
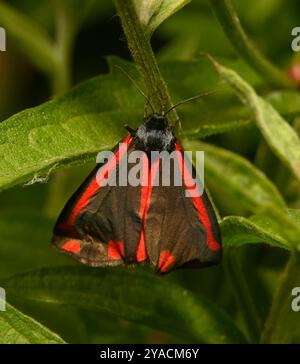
(28, 213)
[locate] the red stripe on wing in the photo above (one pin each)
(94, 186)
(197, 201)
(141, 253)
(147, 184)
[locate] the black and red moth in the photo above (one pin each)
(114, 225)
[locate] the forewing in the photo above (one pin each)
(180, 230)
(101, 225)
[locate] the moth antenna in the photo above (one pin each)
(136, 86)
(190, 99)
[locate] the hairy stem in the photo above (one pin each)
(140, 47)
(62, 80)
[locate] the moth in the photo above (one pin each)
(104, 225)
(169, 225)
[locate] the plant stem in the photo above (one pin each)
(276, 325)
(242, 294)
(35, 42)
(140, 47)
(230, 22)
(62, 79)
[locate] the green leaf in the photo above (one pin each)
(217, 127)
(238, 230)
(17, 328)
(153, 12)
(65, 131)
(30, 37)
(138, 297)
(280, 136)
(238, 176)
(40, 149)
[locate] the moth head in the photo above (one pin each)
(156, 122)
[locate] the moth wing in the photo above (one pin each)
(181, 230)
(100, 225)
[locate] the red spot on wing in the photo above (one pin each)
(72, 246)
(294, 73)
(115, 250)
(166, 261)
(94, 186)
(141, 254)
(197, 201)
(148, 177)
